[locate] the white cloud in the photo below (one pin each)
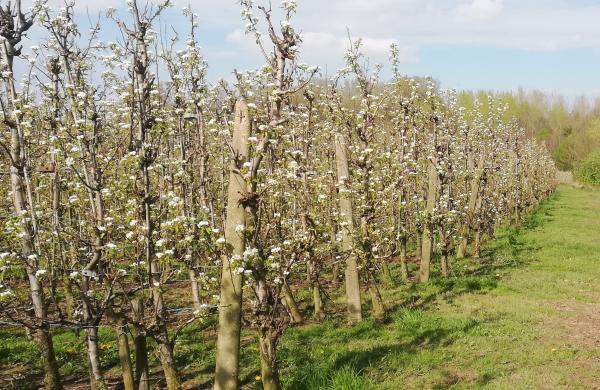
(520, 24)
(325, 48)
(237, 36)
(533, 25)
(478, 10)
(415, 25)
(93, 6)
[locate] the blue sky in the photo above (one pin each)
(553, 45)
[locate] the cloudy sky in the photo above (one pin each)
(552, 45)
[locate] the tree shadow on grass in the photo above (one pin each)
(417, 340)
(20, 377)
(508, 250)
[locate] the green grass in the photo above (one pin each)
(511, 321)
(524, 317)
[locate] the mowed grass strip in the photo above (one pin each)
(523, 317)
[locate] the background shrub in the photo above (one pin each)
(588, 170)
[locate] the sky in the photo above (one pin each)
(551, 45)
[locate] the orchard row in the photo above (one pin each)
(141, 196)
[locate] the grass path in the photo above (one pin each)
(526, 317)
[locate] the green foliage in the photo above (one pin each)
(543, 134)
(588, 170)
(562, 155)
(569, 131)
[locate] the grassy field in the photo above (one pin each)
(525, 316)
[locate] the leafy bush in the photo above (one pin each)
(588, 170)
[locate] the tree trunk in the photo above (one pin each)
(477, 244)
(142, 375)
(91, 332)
(290, 304)
(51, 375)
(96, 378)
(346, 211)
(161, 333)
(124, 357)
(388, 279)
(230, 310)
(316, 290)
(445, 264)
(427, 240)
(376, 300)
(268, 363)
(419, 247)
(195, 290)
(168, 365)
(17, 175)
(471, 206)
(403, 265)
(318, 302)
(44, 338)
(517, 216)
(426, 252)
(335, 268)
(335, 272)
(463, 244)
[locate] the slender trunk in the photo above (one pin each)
(290, 304)
(316, 290)
(517, 216)
(346, 211)
(478, 232)
(471, 206)
(388, 279)
(195, 289)
(267, 332)
(142, 374)
(44, 338)
(426, 252)
(445, 264)
(463, 244)
(168, 365)
(165, 349)
(124, 357)
(403, 265)
(27, 241)
(155, 271)
(477, 244)
(427, 240)
(335, 270)
(96, 377)
(51, 375)
(187, 209)
(318, 302)
(23, 208)
(230, 310)
(268, 363)
(376, 300)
